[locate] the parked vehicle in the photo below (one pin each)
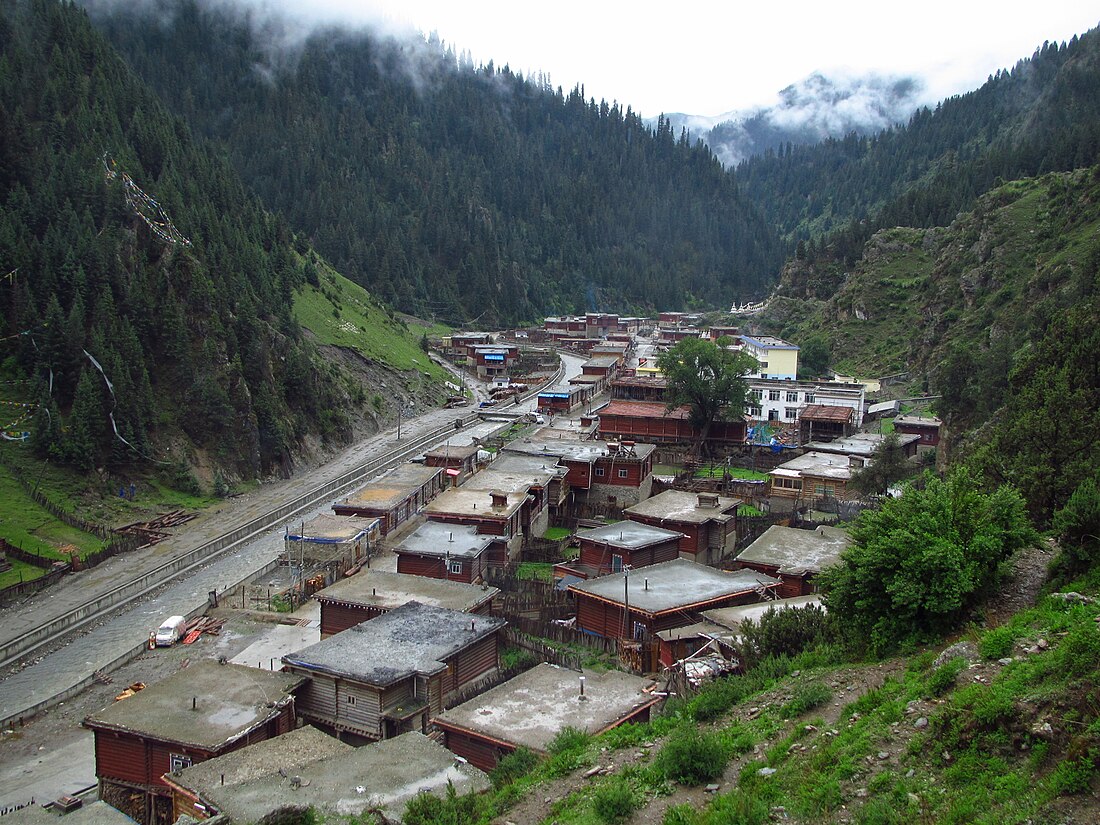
(170, 632)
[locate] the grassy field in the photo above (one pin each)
(720, 470)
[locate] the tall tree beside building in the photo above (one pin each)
(707, 379)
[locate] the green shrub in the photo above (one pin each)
(718, 697)
(806, 698)
(1079, 651)
(692, 757)
(997, 643)
(511, 767)
(943, 677)
(787, 632)
(682, 815)
(428, 809)
(568, 739)
(739, 809)
(1074, 775)
(614, 801)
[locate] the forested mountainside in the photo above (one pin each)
(998, 312)
(1042, 115)
(148, 298)
(457, 192)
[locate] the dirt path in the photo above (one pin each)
(1021, 589)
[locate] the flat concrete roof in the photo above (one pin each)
(230, 701)
(433, 538)
(672, 585)
(768, 341)
(412, 639)
(458, 452)
(571, 450)
(467, 501)
(291, 752)
(512, 478)
(796, 551)
(820, 465)
(387, 591)
(91, 813)
(332, 528)
(394, 487)
(602, 361)
(860, 444)
(731, 618)
(917, 420)
(529, 710)
(538, 467)
(384, 774)
(683, 506)
(629, 534)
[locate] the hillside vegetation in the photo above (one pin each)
(152, 310)
(995, 312)
(453, 191)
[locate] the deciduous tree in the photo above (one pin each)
(708, 379)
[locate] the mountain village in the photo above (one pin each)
(459, 596)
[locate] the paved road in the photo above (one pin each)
(99, 648)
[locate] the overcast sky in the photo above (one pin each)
(708, 57)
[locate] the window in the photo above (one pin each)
(790, 413)
(754, 412)
(763, 365)
(810, 397)
(773, 415)
(616, 564)
(773, 395)
(599, 472)
(178, 761)
(350, 700)
(756, 395)
(792, 397)
(623, 473)
(454, 567)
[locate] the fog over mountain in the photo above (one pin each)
(815, 108)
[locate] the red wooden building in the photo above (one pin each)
(654, 422)
(613, 547)
(597, 470)
(795, 556)
(927, 427)
(637, 604)
(396, 497)
(370, 593)
(195, 714)
(392, 674)
(455, 552)
(707, 521)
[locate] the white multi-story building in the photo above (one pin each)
(776, 358)
(782, 400)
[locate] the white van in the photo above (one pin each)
(169, 633)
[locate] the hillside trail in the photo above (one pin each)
(1021, 588)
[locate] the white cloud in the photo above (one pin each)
(715, 56)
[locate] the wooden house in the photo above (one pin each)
(654, 422)
(459, 461)
(492, 513)
(396, 497)
(637, 604)
(927, 427)
(330, 545)
(393, 673)
(597, 471)
(370, 593)
(808, 480)
(195, 714)
(794, 556)
(529, 710)
(454, 552)
(707, 521)
(625, 544)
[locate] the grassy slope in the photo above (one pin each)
(996, 271)
(894, 742)
(343, 314)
